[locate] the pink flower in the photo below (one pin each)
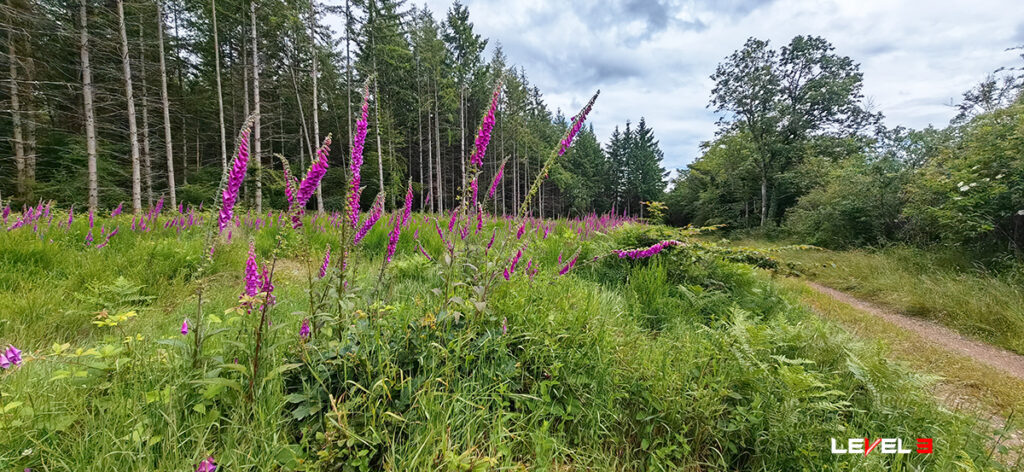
(184, 327)
(496, 180)
(357, 159)
(371, 218)
(396, 231)
(408, 205)
(304, 329)
(484, 134)
(577, 124)
(646, 252)
(327, 261)
(316, 172)
(235, 177)
(252, 281)
(207, 465)
(424, 252)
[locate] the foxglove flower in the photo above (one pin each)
(117, 211)
(483, 136)
(577, 125)
(522, 229)
(512, 265)
(356, 161)
(13, 355)
(235, 177)
(207, 465)
(396, 231)
(316, 172)
(646, 252)
(473, 188)
(408, 204)
(491, 242)
(570, 265)
(184, 327)
(304, 329)
(371, 218)
(252, 281)
(451, 221)
(496, 180)
(5, 363)
(327, 261)
(424, 252)
(504, 325)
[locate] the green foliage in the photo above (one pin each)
(858, 204)
(971, 192)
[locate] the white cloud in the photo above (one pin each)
(653, 59)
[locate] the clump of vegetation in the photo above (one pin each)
(460, 341)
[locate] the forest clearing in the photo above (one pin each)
(306, 235)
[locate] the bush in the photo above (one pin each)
(858, 205)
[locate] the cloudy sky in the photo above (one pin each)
(653, 58)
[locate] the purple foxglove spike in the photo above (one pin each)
(483, 136)
(356, 161)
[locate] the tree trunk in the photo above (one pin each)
(462, 136)
(19, 143)
(419, 144)
(430, 164)
(316, 100)
(348, 71)
(147, 165)
(310, 146)
(257, 151)
(133, 131)
(220, 93)
(168, 143)
(764, 198)
(90, 114)
(437, 142)
(380, 151)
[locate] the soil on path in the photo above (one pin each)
(941, 336)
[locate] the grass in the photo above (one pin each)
(939, 285)
(990, 387)
(681, 362)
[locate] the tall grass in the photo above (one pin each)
(684, 362)
(944, 286)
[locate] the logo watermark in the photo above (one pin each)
(880, 445)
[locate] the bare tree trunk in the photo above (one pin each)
(316, 99)
(515, 176)
(302, 114)
(257, 151)
(133, 132)
(764, 198)
(437, 142)
(184, 151)
(220, 93)
(348, 71)
(19, 143)
(430, 163)
(147, 167)
(380, 152)
(419, 146)
(90, 114)
(168, 142)
(462, 135)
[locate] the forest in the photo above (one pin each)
(115, 102)
(799, 153)
(301, 235)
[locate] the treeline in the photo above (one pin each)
(131, 101)
(799, 153)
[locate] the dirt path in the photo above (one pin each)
(953, 394)
(941, 336)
